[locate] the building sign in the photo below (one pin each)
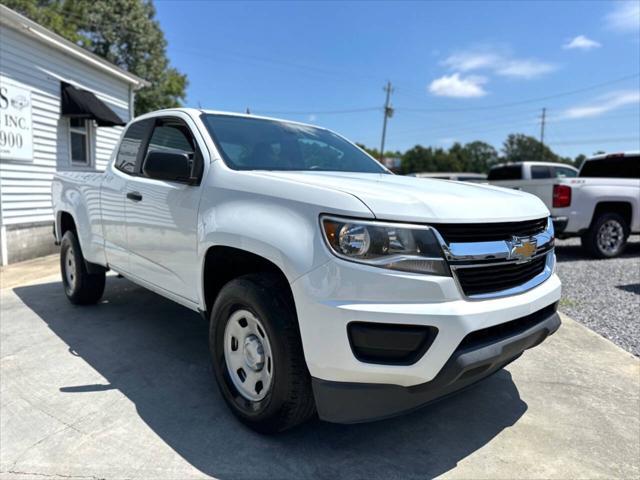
(16, 133)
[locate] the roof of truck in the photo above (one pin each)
(602, 156)
(542, 164)
(197, 111)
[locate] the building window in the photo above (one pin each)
(80, 141)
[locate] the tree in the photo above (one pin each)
(579, 160)
(523, 148)
(124, 32)
(481, 156)
(60, 17)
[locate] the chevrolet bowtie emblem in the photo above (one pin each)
(522, 248)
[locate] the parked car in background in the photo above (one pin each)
(456, 176)
(330, 284)
(601, 205)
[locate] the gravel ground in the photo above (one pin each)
(604, 295)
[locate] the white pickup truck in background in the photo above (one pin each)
(601, 204)
(330, 284)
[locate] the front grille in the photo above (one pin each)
(487, 232)
(495, 278)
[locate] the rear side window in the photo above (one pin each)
(613, 167)
(130, 146)
(506, 172)
(564, 172)
(540, 171)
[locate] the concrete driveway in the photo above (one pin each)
(124, 390)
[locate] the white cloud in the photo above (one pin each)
(465, 61)
(524, 68)
(581, 42)
(498, 62)
(456, 86)
(603, 104)
(625, 17)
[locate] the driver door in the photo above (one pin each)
(162, 215)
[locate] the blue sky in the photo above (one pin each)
(461, 71)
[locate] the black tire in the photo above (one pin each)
(592, 243)
(83, 288)
(289, 400)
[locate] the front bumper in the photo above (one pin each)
(339, 293)
(560, 224)
(349, 402)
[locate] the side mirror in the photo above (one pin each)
(169, 166)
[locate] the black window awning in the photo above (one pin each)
(78, 103)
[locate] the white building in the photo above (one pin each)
(58, 107)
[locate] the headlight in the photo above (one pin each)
(409, 248)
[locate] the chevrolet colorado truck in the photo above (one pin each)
(600, 203)
(331, 286)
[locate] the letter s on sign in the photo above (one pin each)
(4, 101)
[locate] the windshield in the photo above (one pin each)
(259, 144)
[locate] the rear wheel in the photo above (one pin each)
(257, 354)
(80, 286)
(607, 236)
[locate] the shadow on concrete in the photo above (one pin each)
(631, 287)
(155, 352)
(574, 252)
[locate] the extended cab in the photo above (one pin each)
(330, 284)
(600, 204)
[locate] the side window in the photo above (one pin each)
(539, 171)
(128, 152)
(172, 138)
(80, 141)
(506, 172)
(564, 172)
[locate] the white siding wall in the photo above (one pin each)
(25, 187)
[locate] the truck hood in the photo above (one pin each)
(411, 199)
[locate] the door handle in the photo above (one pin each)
(135, 196)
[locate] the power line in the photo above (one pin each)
(597, 141)
(317, 112)
(522, 102)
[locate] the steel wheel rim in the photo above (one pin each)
(610, 236)
(70, 269)
(248, 356)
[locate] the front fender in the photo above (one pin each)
(274, 219)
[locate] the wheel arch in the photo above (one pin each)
(224, 263)
(622, 208)
(64, 222)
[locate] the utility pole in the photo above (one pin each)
(388, 112)
(542, 122)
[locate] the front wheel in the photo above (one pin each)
(257, 354)
(80, 286)
(607, 236)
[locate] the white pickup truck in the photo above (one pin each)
(600, 203)
(330, 284)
